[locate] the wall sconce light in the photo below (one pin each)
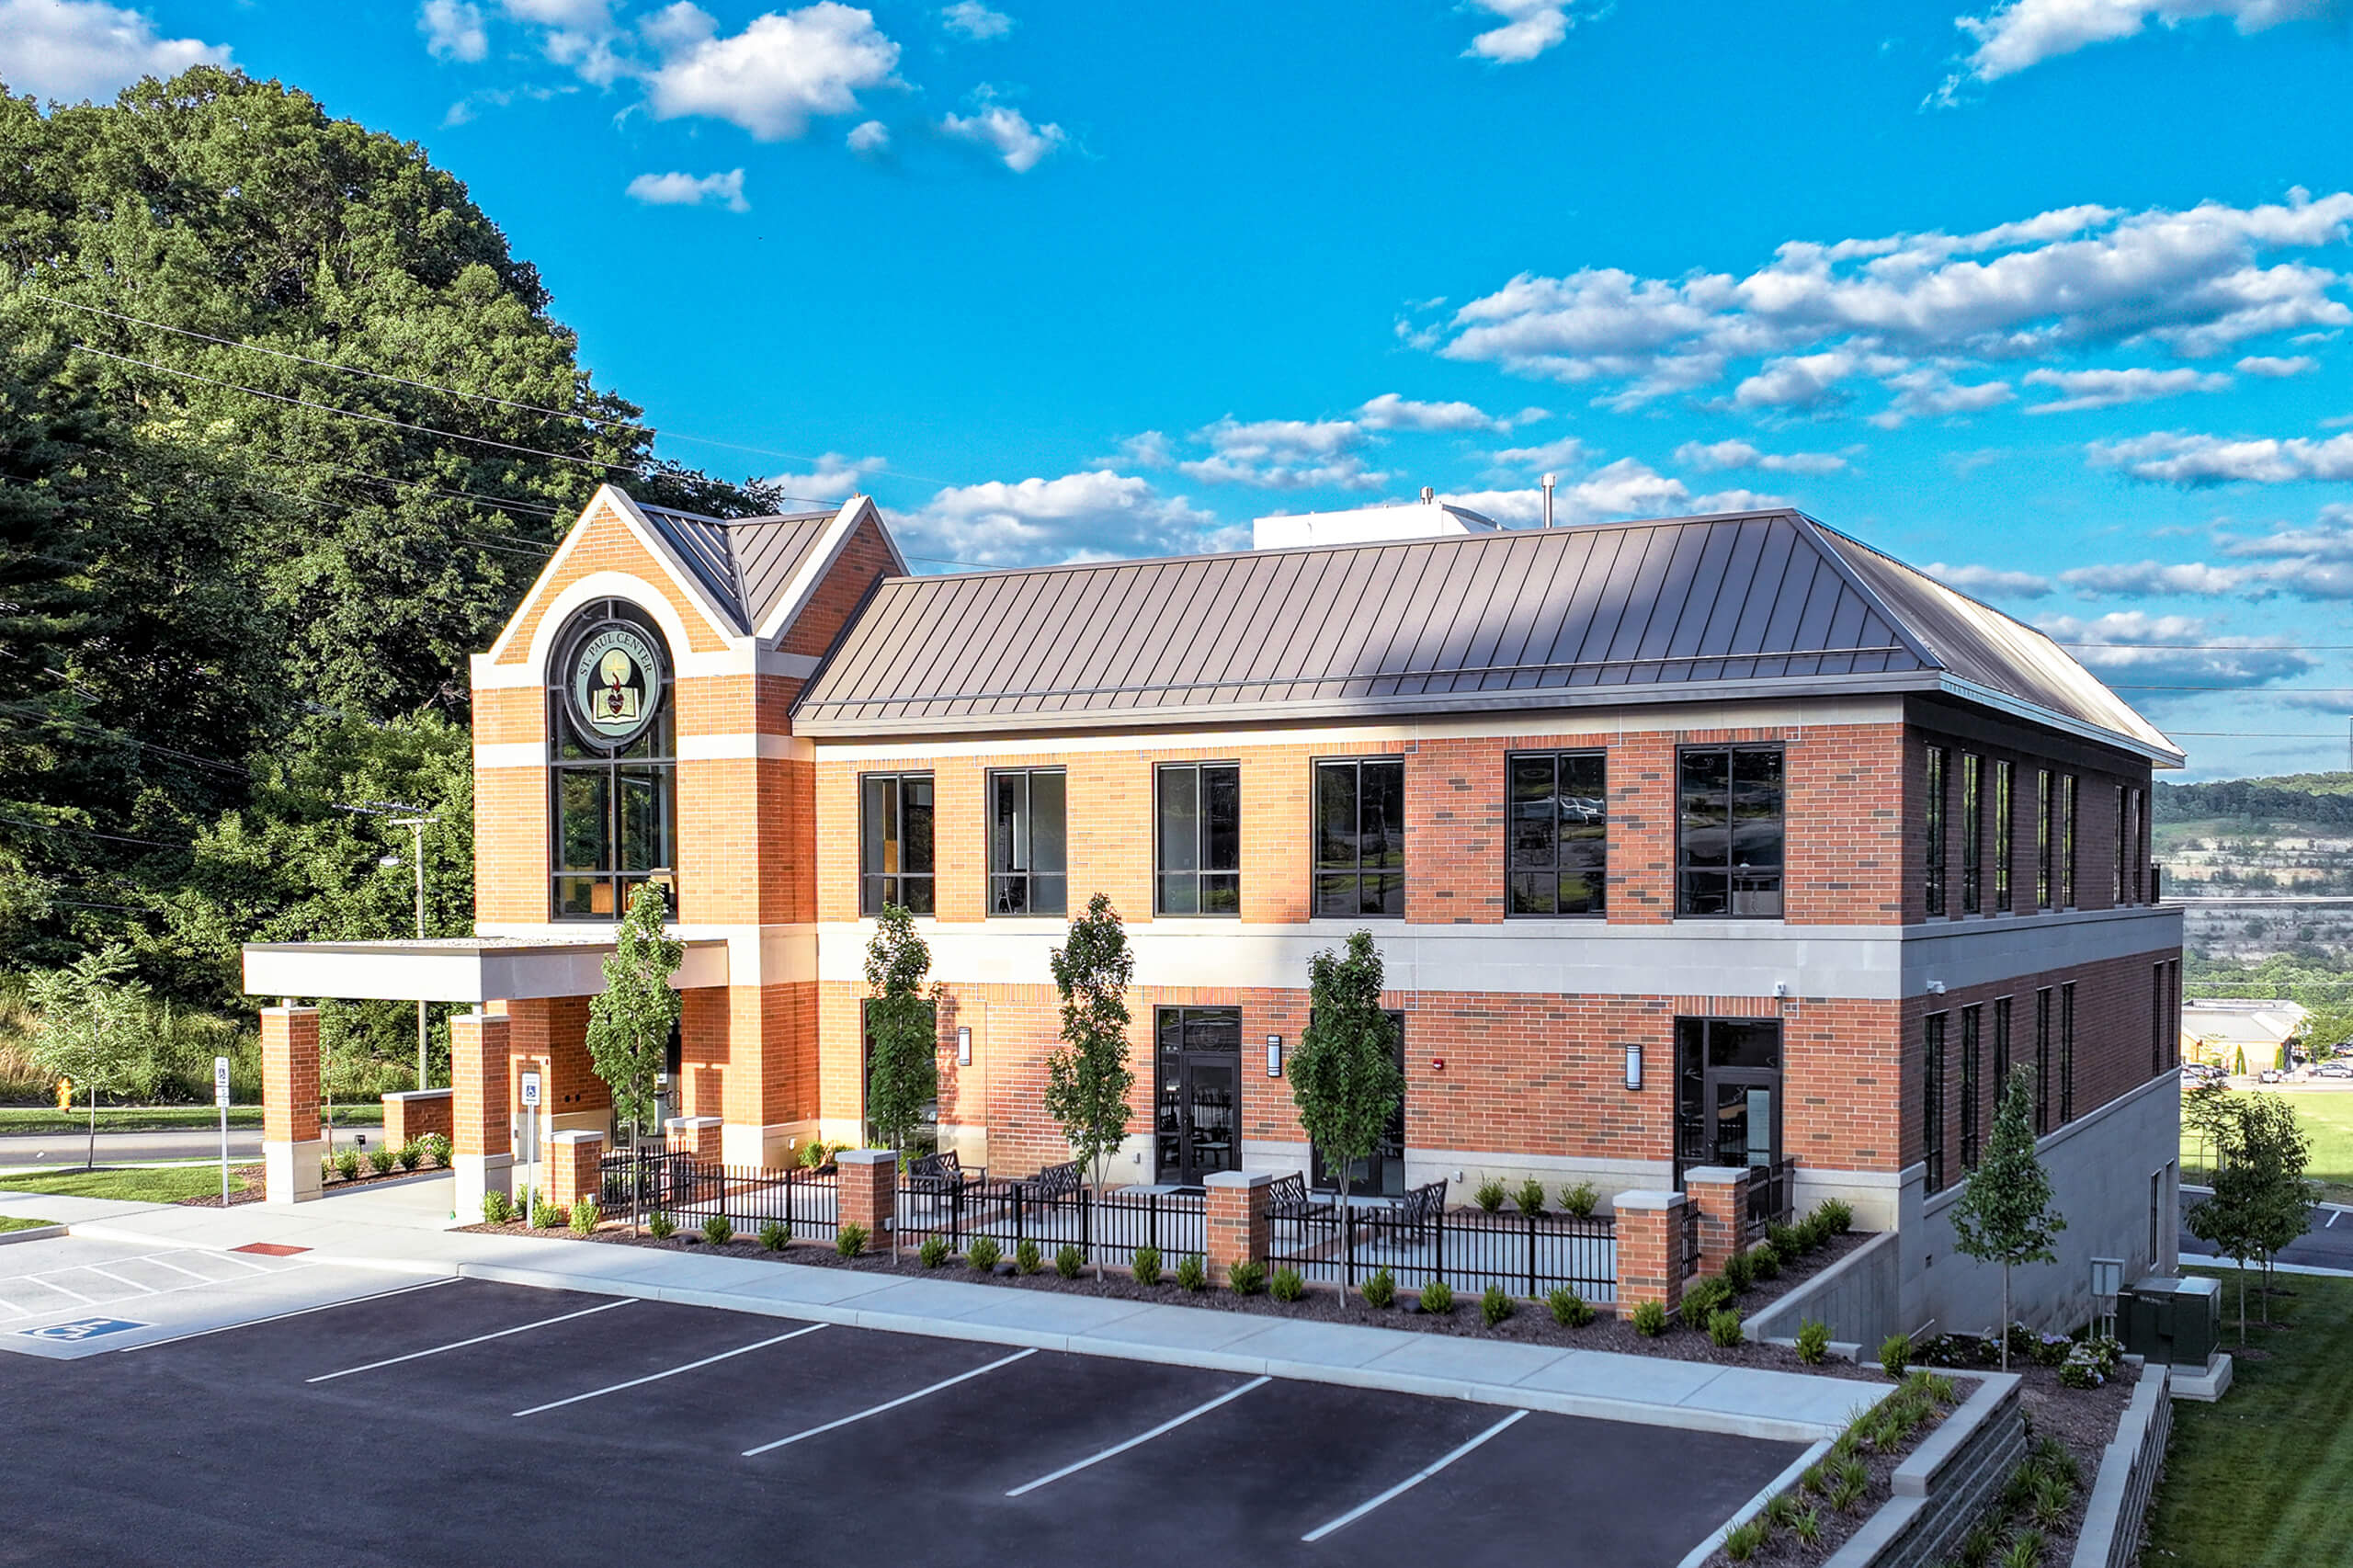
(1274, 1056)
(964, 1046)
(1935, 988)
(1634, 1066)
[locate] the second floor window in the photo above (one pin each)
(1972, 837)
(1933, 867)
(2005, 823)
(2045, 803)
(1728, 840)
(1932, 1102)
(895, 841)
(2067, 841)
(1558, 858)
(1360, 837)
(1197, 838)
(1026, 845)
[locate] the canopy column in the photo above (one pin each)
(483, 1156)
(291, 1146)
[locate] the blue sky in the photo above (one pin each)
(2057, 298)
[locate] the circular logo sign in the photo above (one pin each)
(616, 683)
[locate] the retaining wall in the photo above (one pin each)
(1953, 1476)
(1857, 1298)
(2128, 1475)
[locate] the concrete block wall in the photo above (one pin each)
(1945, 1484)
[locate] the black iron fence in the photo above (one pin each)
(691, 1191)
(1527, 1255)
(1691, 1248)
(1010, 1213)
(1771, 1196)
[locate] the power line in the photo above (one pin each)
(94, 832)
(2221, 647)
(126, 738)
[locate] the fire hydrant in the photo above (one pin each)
(65, 1094)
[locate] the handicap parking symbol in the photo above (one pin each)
(74, 1333)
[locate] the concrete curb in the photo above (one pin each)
(2128, 1475)
(1755, 1505)
(35, 1233)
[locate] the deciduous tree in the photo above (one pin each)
(1344, 1076)
(2005, 1214)
(631, 1020)
(1088, 1081)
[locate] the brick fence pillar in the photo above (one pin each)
(412, 1114)
(575, 1167)
(1235, 1221)
(291, 1144)
(1721, 1194)
(696, 1137)
(478, 1136)
(1649, 1229)
(866, 1190)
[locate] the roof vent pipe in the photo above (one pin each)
(1428, 494)
(1548, 500)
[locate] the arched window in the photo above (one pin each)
(612, 762)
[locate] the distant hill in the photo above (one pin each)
(2301, 798)
(2277, 843)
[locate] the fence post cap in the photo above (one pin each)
(574, 1135)
(866, 1157)
(1716, 1175)
(1626, 1200)
(690, 1124)
(1239, 1178)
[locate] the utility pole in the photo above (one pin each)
(416, 822)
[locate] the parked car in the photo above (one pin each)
(2269, 1075)
(2334, 1070)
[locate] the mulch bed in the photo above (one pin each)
(245, 1186)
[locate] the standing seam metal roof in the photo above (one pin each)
(745, 564)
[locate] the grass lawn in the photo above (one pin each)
(2265, 1478)
(156, 1118)
(19, 1223)
(2327, 1115)
(160, 1184)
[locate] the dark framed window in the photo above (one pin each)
(1027, 837)
(2173, 1015)
(2156, 1018)
(1932, 876)
(1361, 837)
(1932, 1100)
(2137, 856)
(2045, 803)
(1557, 859)
(2118, 895)
(1729, 837)
(1197, 1093)
(1727, 1092)
(2000, 1047)
(2067, 841)
(2004, 824)
(2042, 1061)
(2067, 1052)
(612, 762)
(894, 825)
(1972, 1020)
(1972, 836)
(1197, 838)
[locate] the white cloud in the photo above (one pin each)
(1149, 449)
(2329, 538)
(1930, 391)
(869, 138)
(2180, 457)
(1714, 456)
(691, 190)
(2016, 34)
(72, 50)
(2117, 647)
(1390, 412)
(579, 16)
(1566, 452)
(775, 74)
(2277, 368)
(2312, 560)
(1808, 382)
(1627, 488)
(1080, 517)
(969, 18)
(453, 30)
(1531, 27)
(1989, 580)
(836, 476)
(1007, 133)
(2107, 388)
(580, 35)
(1283, 454)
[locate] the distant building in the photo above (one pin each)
(2242, 1036)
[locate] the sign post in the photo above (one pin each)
(531, 1139)
(221, 1099)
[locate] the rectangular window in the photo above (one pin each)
(2118, 895)
(2003, 823)
(1971, 1022)
(1729, 835)
(2156, 1018)
(1556, 860)
(2042, 1061)
(1360, 839)
(2067, 841)
(2173, 1015)
(2140, 852)
(2043, 798)
(2001, 1049)
(1932, 1103)
(1972, 837)
(895, 841)
(1196, 838)
(1027, 874)
(1933, 824)
(2067, 1052)
(1727, 1093)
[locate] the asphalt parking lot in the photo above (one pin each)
(469, 1421)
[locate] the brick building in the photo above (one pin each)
(1687, 843)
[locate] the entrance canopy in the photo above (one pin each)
(455, 969)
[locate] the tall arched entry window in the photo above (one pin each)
(612, 762)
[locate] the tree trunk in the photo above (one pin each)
(2005, 1316)
(2242, 1261)
(90, 1160)
(1097, 1248)
(636, 1171)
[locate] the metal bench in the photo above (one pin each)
(1288, 1199)
(1412, 1216)
(940, 1177)
(1055, 1184)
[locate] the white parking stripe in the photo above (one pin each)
(2334, 1216)
(657, 1377)
(279, 1317)
(893, 1404)
(1140, 1439)
(111, 1274)
(477, 1339)
(1367, 1506)
(162, 1262)
(48, 1284)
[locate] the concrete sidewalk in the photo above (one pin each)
(405, 1228)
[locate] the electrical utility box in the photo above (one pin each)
(2174, 1322)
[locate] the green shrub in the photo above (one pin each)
(1782, 1509)
(982, 1253)
(1579, 1200)
(1287, 1285)
(1069, 1262)
(1844, 1494)
(932, 1253)
(1192, 1273)
(1813, 1342)
(1984, 1539)
(1490, 1195)
(1246, 1277)
(815, 1153)
(1787, 1244)
(660, 1227)
(546, 1216)
(1530, 1197)
(380, 1160)
(1650, 1320)
(2054, 1458)
(1815, 1479)
(1738, 1273)
(1723, 1328)
(1812, 1236)
(435, 1146)
(346, 1163)
(849, 1240)
(1836, 1217)
(496, 1208)
(2025, 1551)
(1807, 1526)
(408, 1155)
(1380, 1288)
(1438, 1295)
(1764, 1262)
(1145, 1266)
(1569, 1309)
(1495, 1305)
(718, 1231)
(1702, 1298)
(774, 1235)
(1895, 1353)
(1027, 1258)
(1742, 1541)
(2054, 1500)
(585, 1217)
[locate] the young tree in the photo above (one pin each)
(2209, 1111)
(629, 1021)
(2232, 1219)
(902, 1022)
(92, 1019)
(1087, 1082)
(2274, 1144)
(1344, 1075)
(2005, 1214)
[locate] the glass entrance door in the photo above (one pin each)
(1745, 1127)
(1197, 1094)
(1727, 1093)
